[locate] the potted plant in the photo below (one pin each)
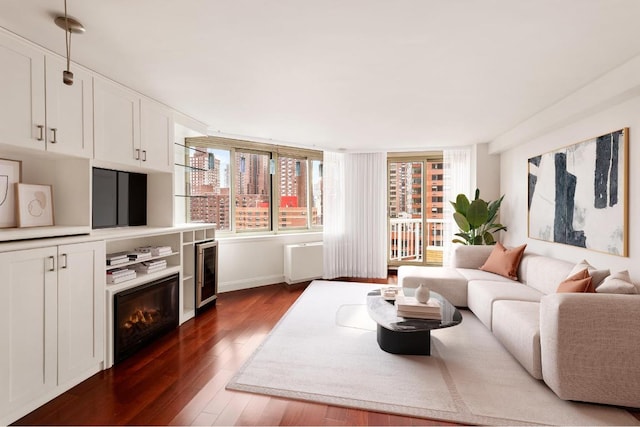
(476, 220)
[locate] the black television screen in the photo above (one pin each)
(105, 198)
(119, 198)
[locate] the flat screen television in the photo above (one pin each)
(119, 198)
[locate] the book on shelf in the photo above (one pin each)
(155, 250)
(138, 256)
(119, 272)
(118, 276)
(151, 266)
(117, 258)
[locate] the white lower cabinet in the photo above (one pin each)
(51, 323)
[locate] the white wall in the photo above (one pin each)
(486, 173)
(247, 262)
(513, 183)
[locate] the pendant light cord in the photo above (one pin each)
(67, 37)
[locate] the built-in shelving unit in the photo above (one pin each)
(189, 240)
(104, 125)
(182, 240)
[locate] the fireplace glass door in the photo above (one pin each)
(144, 313)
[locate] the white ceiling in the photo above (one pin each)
(360, 75)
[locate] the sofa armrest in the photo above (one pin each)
(473, 256)
(589, 347)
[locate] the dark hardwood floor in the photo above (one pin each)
(180, 379)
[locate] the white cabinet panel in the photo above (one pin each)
(69, 111)
(130, 130)
(64, 124)
(116, 123)
(51, 323)
(22, 89)
(80, 309)
(156, 132)
(28, 326)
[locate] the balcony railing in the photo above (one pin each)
(405, 240)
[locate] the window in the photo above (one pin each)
(415, 206)
(250, 187)
(252, 191)
(293, 192)
(316, 193)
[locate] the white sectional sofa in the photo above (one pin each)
(584, 346)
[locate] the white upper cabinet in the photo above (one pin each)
(22, 115)
(131, 130)
(116, 123)
(69, 112)
(156, 133)
(42, 112)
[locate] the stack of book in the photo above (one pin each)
(410, 307)
(147, 267)
(120, 275)
(156, 250)
(138, 256)
(117, 258)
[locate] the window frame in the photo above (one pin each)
(274, 152)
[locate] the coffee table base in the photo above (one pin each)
(412, 343)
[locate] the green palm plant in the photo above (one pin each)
(476, 220)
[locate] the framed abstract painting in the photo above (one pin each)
(35, 205)
(578, 194)
(10, 173)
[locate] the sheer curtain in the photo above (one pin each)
(457, 179)
(355, 216)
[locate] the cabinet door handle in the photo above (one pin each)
(137, 154)
(144, 155)
(41, 132)
(64, 259)
(54, 131)
(53, 263)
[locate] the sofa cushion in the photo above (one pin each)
(545, 273)
(474, 274)
(470, 256)
(597, 276)
(504, 261)
(516, 324)
(617, 283)
(482, 294)
(448, 282)
(579, 282)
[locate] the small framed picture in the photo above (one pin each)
(10, 175)
(35, 205)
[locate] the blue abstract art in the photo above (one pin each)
(578, 194)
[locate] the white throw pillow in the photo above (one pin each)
(618, 283)
(597, 276)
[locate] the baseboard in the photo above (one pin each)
(254, 282)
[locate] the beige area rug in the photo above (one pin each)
(325, 350)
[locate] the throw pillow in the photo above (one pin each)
(618, 283)
(579, 282)
(504, 261)
(597, 276)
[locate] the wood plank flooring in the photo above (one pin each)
(180, 379)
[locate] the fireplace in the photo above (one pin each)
(143, 314)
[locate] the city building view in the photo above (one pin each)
(211, 196)
(415, 211)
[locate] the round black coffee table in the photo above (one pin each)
(403, 335)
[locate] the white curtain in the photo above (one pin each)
(457, 179)
(355, 215)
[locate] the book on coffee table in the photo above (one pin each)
(408, 306)
(416, 315)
